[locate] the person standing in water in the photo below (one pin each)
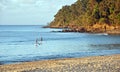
(41, 39)
(36, 42)
(39, 42)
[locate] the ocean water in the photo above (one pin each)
(18, 44)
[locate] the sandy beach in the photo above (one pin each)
(88, 64)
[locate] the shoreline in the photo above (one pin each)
(96, 28)
(87, 64)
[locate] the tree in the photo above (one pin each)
(88, 12)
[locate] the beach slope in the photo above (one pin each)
(87, 64)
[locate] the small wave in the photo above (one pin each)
(101, 34)
(16, 42)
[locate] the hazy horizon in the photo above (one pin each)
(30, 12)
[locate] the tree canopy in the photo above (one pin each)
(88, 12)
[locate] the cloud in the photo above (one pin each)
(17, 3)
(33, 5)
(30, 11)
(2, 7)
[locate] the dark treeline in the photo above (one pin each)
(88, 12)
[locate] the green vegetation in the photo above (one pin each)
(88, 12)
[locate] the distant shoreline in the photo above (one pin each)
(96, 64)
(96, 28)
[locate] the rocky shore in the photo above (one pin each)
(96, 28)
(88, 64)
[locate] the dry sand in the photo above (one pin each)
(87, 64)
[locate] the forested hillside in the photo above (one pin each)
(88, 13)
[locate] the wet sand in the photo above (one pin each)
(88, 64)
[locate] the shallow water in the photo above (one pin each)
(17, 44)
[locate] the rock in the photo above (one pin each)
(96, 28)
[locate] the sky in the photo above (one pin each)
(30, 12)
